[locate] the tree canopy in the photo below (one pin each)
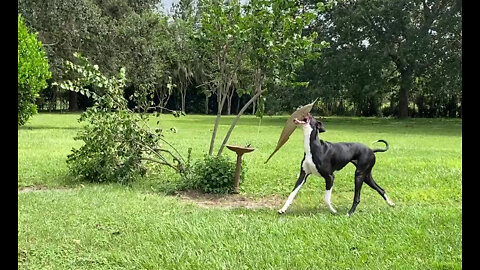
(390, 49)
(360, 57)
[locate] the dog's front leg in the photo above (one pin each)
(328, 192)
(300, 182)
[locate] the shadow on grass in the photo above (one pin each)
(55, 181)
(43, 127)
(313, 211)
(302, 211)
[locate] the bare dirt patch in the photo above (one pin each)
(201, 199)
(229, 200)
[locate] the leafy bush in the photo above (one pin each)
(110, 152)
(32, 71)
(118, 141)
(215, 174)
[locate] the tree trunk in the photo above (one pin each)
(183, 94)
(406, 81)
(220, 102)
(163, 103)
(257, 82)
(230, 93)
(234, 122)
(460, 112)
(238, 105)
(229, 104)
(392, 105)
(73, 101)
(183, 101)
(206, 104)
(214, 133)
(403, 103)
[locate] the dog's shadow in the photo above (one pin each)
(312, 211)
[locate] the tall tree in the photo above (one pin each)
(146, 45)
(277, 46)
(65, 27)
(183, 57)
(404, 34)
(86, 26)
(221, 43)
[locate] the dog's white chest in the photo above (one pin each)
(308, 165)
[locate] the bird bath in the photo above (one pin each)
(240, 150)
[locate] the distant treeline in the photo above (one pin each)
(373, 57)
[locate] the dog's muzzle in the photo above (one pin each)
(304, 121)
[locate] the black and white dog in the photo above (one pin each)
(324, 158)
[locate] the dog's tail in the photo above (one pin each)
(381, 150)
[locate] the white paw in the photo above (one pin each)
(388, 200)
(332, 210)
(281, 211)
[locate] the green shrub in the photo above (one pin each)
(33, 72)
(215, 174)
(118, 142)
(111, 152)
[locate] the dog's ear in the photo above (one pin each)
(320, 127)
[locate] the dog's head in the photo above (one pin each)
(309, 120)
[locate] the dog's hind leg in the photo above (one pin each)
(370, 182)
(359, 178)
(328, 191)
(301, 180)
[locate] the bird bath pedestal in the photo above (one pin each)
(240, 150)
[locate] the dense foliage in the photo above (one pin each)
(113, 34)
(403, 56)
(384, 57)
(117, 141)
(33, 71)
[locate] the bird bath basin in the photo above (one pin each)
(240, 150)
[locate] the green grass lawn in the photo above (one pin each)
(118, 227)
